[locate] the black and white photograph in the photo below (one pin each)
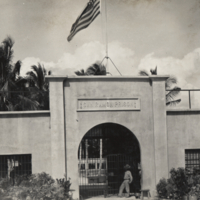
(99, 99)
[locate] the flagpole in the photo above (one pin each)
(106, 36)
(105, 21)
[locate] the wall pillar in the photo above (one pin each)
(73, 138)
(160, 127)
(56, 97)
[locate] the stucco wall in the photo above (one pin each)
(27, 133)
(54, 140)
(140, 123)
(183, 130)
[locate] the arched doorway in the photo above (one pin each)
(103, 152)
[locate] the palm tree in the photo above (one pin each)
(96, 69)
(10, 87)
(8, 71)
(9, 75)
(40, 91)
(13, 93)
(6, 55)
(172, 91)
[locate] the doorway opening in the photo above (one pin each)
(103, 152)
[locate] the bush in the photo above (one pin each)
(161, 188)
(176, 186)
(194, 182)
(36, 186)
(179, 182)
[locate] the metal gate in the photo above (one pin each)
(115, 173)
(103, 153)
(116, 165)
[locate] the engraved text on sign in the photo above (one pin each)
(108, 104)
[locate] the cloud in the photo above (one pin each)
(86, 55)
(30, 61)
(186, 70)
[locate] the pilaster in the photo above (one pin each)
(56, 97)
(160, 127)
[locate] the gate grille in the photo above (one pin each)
(116, 165)
(103, 153)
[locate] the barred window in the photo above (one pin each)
(13, 165)
(192, 158)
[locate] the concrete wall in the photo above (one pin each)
(183, 130)
(160, 127)
(140, 123)
(57, 128)
(27, 133)
(53, 137)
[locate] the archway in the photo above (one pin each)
(102, 154)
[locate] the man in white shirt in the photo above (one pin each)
(127, 180)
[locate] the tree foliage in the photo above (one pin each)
(96, 69)
(170, 85)
(36, 186)
(40, 90)
(17, 92)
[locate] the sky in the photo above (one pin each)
(142, 34)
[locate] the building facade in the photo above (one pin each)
(94, 127)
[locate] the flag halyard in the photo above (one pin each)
(88, 15)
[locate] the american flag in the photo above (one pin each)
(91, 11)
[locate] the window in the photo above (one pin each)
(14, 165)
(192, 158)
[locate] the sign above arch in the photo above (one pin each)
(108, 104)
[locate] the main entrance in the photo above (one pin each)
(103, 153)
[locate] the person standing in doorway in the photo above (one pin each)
(127, 180)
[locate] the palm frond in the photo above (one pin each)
(96, 69)
(31, 76)
(170, 81)
(172, 93)
(44, 71)
(10, 55)
(103, 70)
(27, 104)
(91, 70)
(34, 92)
(9, 106)
(154, 71)
(37, 75)
(40, 76)
(173, 103)
(17, 67)
(9, 86)
(80, 73)
(19, 78)
(5, 87)
(38, 70)
(34, 68)
(15, 71)
(143, 73)
(8, 41)
(1, 52)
